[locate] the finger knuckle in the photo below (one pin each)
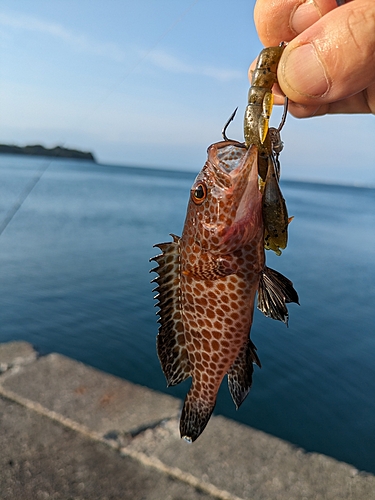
(361, 27)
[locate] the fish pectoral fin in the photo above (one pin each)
(240, 374)
(212, 267)
(274, 292)
(170, 341)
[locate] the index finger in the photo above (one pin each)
(285, 19)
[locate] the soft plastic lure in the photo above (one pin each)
(269, 144)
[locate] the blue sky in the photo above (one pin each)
(151, 83)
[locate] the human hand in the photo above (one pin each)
(328, 65)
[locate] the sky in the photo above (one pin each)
(151, 84)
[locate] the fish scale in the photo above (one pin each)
(218, 313)
(207, 282)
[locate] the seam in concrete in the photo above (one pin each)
(138, 431)
(8, 369)
(38, 408)
(177, 473)
(9, 372)
(144, 459)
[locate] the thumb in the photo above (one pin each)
(332, 59)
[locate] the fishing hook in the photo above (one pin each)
(223, 132)
(276, 142)
(283, 118)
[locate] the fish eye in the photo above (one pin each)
(199, 193)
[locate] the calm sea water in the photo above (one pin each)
(75, 280)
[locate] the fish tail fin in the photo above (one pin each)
(195, 416)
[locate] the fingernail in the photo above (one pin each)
(304, 73)
(304, 16)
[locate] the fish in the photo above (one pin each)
(207, 281)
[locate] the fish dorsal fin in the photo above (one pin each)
(275, 290)
(240, 374)
(170, 340)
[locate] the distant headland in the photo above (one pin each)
(38, 150)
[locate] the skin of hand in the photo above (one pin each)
(328, 65)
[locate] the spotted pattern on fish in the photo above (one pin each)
(221, 259)
(207, 284)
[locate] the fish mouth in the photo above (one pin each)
(247, 185)
(234, 161)
(239, 166)
(229, 155)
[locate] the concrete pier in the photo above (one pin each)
(68, 431)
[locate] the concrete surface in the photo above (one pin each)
(68, 431)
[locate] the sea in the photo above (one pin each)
(74, 267)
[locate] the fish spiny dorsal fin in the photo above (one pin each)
(170, 339)
(240, 374)
(275, 290)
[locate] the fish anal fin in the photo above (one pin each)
(195, 416)
(170, 340)
(240, 374)
(275, 291)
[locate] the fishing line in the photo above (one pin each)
(34, 181)
(22, 197)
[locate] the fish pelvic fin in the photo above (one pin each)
(274, 292)
(240, 374)
(195, 416)
(170, 341)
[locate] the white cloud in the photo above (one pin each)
(82, 43)
(163, 60)
(77, 41)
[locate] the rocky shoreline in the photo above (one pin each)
(38, 150)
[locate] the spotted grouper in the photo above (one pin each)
(207, 282)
